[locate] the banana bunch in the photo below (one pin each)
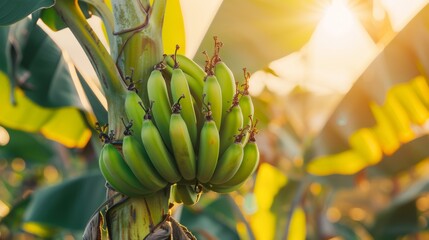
(197, 133)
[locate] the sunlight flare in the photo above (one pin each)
(401, 11)
(337, 19)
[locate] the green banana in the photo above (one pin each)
(225, 78)
(134, 112)
(138, 160)
(157, 151)
(248, 165)
(188, 194)
(182, 143)
(188, 66)
(179, 88)
(196, 89)
(161, 109)
(227, 85)
(200, 121)
(208, 152)
(195, 86)
(174, 195)
(233, 121)
(246, 104)
(229, 162)
(212, 94)
(118, 174)
(194, 75)
(115, 182)
(223, 188)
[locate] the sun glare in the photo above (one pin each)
(401, 11)
(334, 46)
(337, 18)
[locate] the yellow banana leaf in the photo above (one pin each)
(297, 227)
(173, 31)
(392, 109)
(367, 145)
(65, 125)
(347, 162)
(268, 182)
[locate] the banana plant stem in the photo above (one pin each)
(138, 37)
(103, 63)
(302, 189)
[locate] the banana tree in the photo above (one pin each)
(137, 41)
(291, 200)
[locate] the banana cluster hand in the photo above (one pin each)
(204, 140)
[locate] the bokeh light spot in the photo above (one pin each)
(4, 209)
(4, 136)
(357, 214)
(50, 173)
(333, 214)
(18, 165)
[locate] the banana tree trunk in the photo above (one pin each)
(139, 218)
(132, 218)
(123, 218)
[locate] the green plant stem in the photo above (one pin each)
(157, 13)
(124, 218)
(139, 40)
(135, 218)
(239, 215)
(145, 4)
(130, 20)
(101, 60)
(302, 189)
(106, 16)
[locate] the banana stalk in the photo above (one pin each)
(138, 40)
(102, 62)
(137, 218)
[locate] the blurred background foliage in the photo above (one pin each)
(341, 92)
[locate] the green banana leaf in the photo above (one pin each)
(401, 216)
(5, 48)
(13, 11)
(49, 83)
(37, 98)
(400, 221)
(346, 232)
(97, 106)
(67, 206)
(283, 204)
(215, 221)
(39, 149)
(13, 220)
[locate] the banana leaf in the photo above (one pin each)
(13, 11)
(376, 117)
